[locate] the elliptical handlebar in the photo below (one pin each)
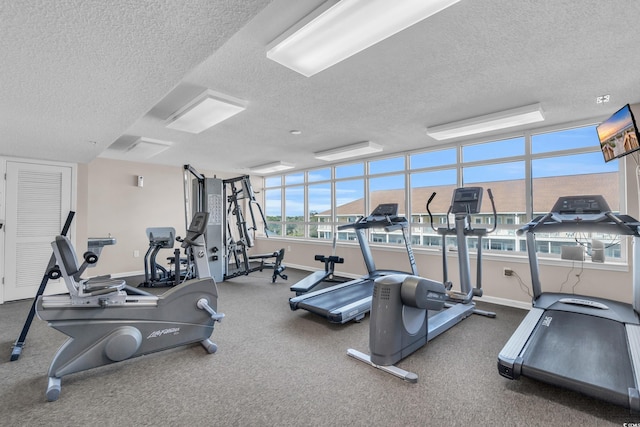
(467, 213)
(429, 211)
(495, 213)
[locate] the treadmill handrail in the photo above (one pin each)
(376, 222)
(607, 223)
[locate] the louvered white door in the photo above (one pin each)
(38, 200)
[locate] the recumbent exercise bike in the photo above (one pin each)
(108, 321)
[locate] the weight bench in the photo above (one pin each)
(277, 266)
(317, 277)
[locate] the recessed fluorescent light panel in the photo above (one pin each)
(353, 150)
(490, 122)
(339, 29)
(272, 167)
(206, 110)
(145, 148)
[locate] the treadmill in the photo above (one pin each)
(352, 300)
(586, 344)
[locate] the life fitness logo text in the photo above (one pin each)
(161, 332)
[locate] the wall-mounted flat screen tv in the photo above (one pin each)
(619, 134)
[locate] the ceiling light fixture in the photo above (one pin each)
(339, 29)
(272, 167)
(206, 110)
(353, 150)
(487, 123)
(145, 148)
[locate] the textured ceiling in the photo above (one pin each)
(82, 79)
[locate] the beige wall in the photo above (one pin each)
(114, 205)
(111, 203)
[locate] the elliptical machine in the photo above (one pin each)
(108, 321)
(399, 323)
(180, 268)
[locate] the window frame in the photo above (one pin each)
(528, 158)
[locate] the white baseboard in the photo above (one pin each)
(505, 302)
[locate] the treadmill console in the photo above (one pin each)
(384, 216)
(582, 208)
(386, 209)
(466, 200)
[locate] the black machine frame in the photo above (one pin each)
(229, 237)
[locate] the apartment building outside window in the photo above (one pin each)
(526, 175)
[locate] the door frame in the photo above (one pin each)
(3, 207)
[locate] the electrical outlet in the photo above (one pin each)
(507, 272)
(136, 253)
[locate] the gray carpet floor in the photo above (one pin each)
(277, 367)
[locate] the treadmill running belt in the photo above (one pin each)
(581, 352)
(325, 303)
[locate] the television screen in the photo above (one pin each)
(618, 134)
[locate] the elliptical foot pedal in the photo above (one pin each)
(457, 296)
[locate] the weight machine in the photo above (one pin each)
(228, 235)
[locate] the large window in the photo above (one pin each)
(525, 174)
(349, 202)
(567, 161)
(294, 210)
(436, 175)
(273, 204)
(568, 164)
(386, 185)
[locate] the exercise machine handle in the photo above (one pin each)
(203, 304)
(89, 259)
(360, 220)
(495, 214)
(186, 242)
(393, 227)
(431, 216)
